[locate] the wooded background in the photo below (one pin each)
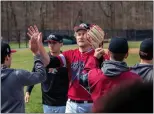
(62, 16)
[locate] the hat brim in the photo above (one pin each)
(77, 28)
(13, 51)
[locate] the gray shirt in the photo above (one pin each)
(144, 70)
(12, 85)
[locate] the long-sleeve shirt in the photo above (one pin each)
(13, 82)
(55, 88)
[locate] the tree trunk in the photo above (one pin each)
(8, 22)
(15, 23)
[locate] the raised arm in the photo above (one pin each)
(30, 78)
(51, 62)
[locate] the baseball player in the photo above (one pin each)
(113, 72)
(79, 100)
(55, 88)
(145, 67)
(14, 80)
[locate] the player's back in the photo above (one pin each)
(144, 70)
(11, 92)
(101, 82)
(12, 86)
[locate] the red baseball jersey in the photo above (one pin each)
(75, 61)
(101, 84)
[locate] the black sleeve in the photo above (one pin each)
(54, 62)
(29, 88)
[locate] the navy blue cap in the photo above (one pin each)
(118, 45)
(82, 26)
(147, 46)
(54, 38)
(6, 50)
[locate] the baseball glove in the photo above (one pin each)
(95, 36)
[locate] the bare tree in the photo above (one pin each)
(15, 23)
(42, 17)
(109, 12)
(8, 22)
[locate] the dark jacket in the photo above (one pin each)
(12, 86)
(144, 70)
(55, 88)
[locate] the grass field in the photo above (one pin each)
(23, 59)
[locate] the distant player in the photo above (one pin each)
(55, 88)
(145, 67)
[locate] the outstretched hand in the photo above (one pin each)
(33, 46)
(34, 33)
(35, 39)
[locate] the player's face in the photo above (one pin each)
(54, 46)
(8, 60)
(81, 38)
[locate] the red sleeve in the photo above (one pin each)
(91, 63)
(93, 76)
(95, 84)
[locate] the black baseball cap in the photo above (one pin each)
(118, 45)
(146, 47)
(54, 38)
(6, 50)
(82, 26)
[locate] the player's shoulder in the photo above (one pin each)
(95, 75)
(131, 75)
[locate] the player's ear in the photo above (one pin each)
(7, 57)
(126, 55)
(61, 44)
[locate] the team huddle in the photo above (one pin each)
(72, 81)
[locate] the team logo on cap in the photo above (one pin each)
(52, 36)
(8, 50)
(83, 25)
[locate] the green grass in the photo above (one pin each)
(23, 59)
(132, 59)
(15, 45)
